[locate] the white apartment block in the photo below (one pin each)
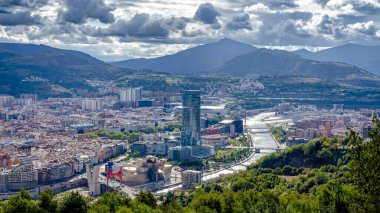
(130, 95)
(92, 105)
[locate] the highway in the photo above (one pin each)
(261, 137)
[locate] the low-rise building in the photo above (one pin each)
(142, 148)
(23, 176)
(179, 153)
(138, 148)
(232, 127)
(216, 141)
(202, 151)
(156, 148)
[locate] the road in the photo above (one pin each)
(260, 136)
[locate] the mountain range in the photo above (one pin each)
(26, 68)
(234, 58)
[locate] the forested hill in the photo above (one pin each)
(326, 175)
(314, 154)
(48, 71)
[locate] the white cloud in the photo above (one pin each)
(365, 28)
(280, 23)
(260, 7)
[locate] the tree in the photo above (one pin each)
(268, 202)
(365, 166)
(205, 209)
(133, 137)
(22, 202)
(99, 208)
(172, 207)
(325, 198)
(2, 206)
(124, 209)
(169, 198)
(147, 198)
(46, 202)
(295, 202)
(114, 201)
(73, 203)
(228, 201)
(182, 199)
(210, 200)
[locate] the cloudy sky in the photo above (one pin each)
(120, 29)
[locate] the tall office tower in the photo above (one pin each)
(191, 118)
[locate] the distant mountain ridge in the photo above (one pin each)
(33, 49)
(194, 60)
(52, 72)
(238, 59)
(281, 62)
(365, 57)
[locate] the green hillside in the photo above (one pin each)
(264, 62)
(49, 72)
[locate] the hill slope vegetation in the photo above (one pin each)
(366, 57)
(48, 71)
(281, 62)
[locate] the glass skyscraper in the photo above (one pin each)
(191, 118)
